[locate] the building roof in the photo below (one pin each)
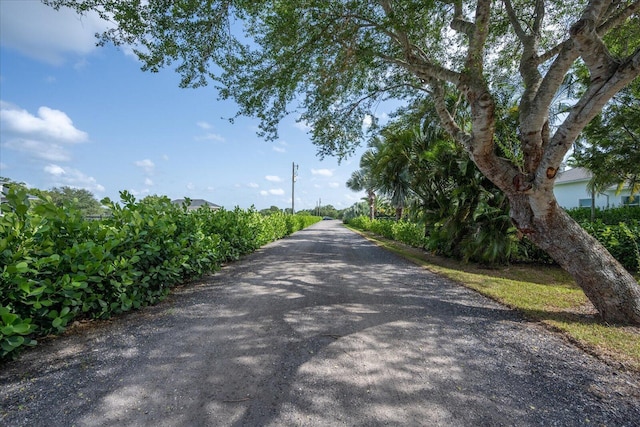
(196, 203)
(573, 175)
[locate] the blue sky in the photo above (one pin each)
(84, 116)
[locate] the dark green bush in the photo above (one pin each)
(409, 233)
(621, 240)
(494, 245)
(57, 266)
(611, 216)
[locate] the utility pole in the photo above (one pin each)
(294, 175)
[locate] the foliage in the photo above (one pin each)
(402, 231)
(57, 266)
(463, 214)
(80, 198)
(610, 148)
(354, 211)
(609, 216)
(334, 62)
(365, 179)
(621, 240)
(322, 211)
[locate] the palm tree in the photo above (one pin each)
(363, 179)
(392, 166)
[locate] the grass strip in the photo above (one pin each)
(546, 294)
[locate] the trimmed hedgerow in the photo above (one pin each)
(57, 266)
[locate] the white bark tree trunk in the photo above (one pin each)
(612, 289)
(529, 187)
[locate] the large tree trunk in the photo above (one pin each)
(612, 289)
(529, 183)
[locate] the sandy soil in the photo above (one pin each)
(319, 329)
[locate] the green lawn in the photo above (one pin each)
(542, 293)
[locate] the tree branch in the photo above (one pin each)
(513, 19)
(614, 20)
(448, 122)
(425, 70)
(590, 104)
(477, 41)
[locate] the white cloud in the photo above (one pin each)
(64, 176)
(367, 121)
(273, 178)
(334, 184)
(302, 125)
(148, 182)
(54, 170)
(48, 124)
(208, 136)
(138, 193)
(279, 149)
(165, 157)
(39, 149)
(252, 185)
(146, 165)
(40, 32)
(211, 137)
(190, 186)
(272, 192)
(48, 135)
(322, 172)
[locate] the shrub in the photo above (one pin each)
(611, 216)
(409, 233)
(57, 266)
(620, 240)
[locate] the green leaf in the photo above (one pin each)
(13, 342)
(9, 318)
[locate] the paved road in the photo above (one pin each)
(320, 329)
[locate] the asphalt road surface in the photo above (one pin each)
(322, 328)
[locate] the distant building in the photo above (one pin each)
(571, 192)
(4, 190)
(197, 204)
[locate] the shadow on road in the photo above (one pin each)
(321, 328)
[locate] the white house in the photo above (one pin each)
(571, 192)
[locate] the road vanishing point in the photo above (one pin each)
(322, 328)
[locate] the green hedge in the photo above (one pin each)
(403, 231)
(611, 216)
(622, 240)
(57, 266)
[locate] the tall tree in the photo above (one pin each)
(78, 197)
(364, 179)
(392, 167)
(342, 57)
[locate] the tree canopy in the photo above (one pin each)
(333, 62)
(81, 199)
(610, 147)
